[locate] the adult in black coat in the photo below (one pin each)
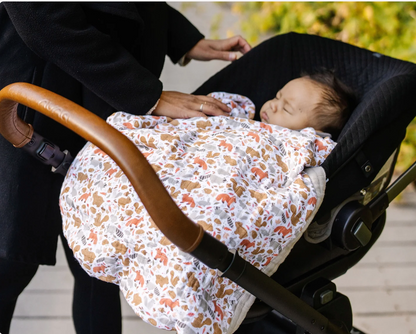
(105, 57)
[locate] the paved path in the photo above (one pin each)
(382, 287)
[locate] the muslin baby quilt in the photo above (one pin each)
(251, 185)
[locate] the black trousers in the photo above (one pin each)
(96, 305)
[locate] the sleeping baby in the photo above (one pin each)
(255, 186)
(319, 100)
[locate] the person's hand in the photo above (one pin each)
(181, 105)
(223, 49)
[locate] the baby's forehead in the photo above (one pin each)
(297, 87)
(306, 81)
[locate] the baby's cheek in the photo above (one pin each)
(265, 106)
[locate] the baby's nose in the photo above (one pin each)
(277, 105)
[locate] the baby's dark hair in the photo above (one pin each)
(338, 102)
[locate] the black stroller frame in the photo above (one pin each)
(299, 297)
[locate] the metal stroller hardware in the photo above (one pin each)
(352, 225)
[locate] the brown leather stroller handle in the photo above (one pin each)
(176, 226)
(12, 128)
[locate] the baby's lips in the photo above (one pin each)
(263, 115)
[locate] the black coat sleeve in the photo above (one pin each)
(59, 33)
(182, 35)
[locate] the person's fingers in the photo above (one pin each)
(236, 43)
(180, 105)
(228, 56)
(170, 110)
(205, 104)
(226, 49)
(211, 51)
(213, 103)
(242, 45)
(212, 107)
(212, 110)
(192, 113)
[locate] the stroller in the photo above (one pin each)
(299, 297)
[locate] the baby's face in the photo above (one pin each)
(293, 105)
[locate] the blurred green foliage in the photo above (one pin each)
(385, 27)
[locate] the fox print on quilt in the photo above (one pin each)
(243, 181)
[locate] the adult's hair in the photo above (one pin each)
(337, 104)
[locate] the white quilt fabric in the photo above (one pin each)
(255, 187)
